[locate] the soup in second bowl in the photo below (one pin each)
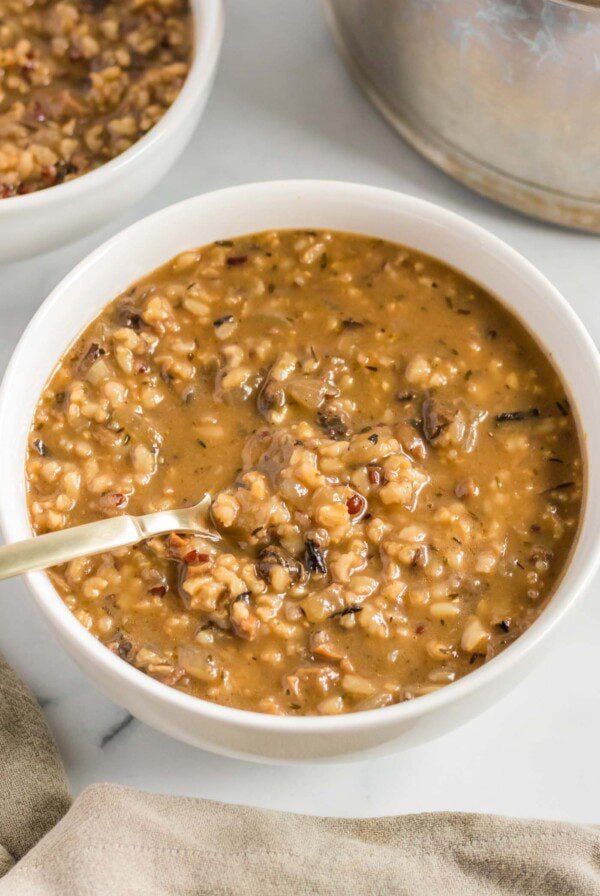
(81, 82)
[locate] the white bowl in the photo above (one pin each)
(36, 222)
(300, 204)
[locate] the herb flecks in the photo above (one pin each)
(561, 486)
(518, 416)
(313, 558)
(346, 611)
(334, 426)
(350, 324)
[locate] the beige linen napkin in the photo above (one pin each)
(119, 842)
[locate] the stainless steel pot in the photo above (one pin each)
(504, 95)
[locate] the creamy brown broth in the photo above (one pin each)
(394, 465)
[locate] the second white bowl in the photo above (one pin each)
(36, 222)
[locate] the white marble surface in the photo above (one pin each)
(283, 106)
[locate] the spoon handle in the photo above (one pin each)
(68, 544)
(104, 535)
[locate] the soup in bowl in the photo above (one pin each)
(394, 458)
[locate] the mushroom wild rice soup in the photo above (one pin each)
(394, 467)
(80, 82)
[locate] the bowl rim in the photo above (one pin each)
(587, 5)
(207, 16)
(384, 717)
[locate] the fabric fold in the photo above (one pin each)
(118, 840)
(34, 792)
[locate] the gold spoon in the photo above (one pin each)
(104, 535)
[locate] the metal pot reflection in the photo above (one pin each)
(503, 95)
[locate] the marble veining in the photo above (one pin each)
(116, 730)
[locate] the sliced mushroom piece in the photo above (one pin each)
(437, 416)
(410, 440)
(137, 427)
(92, 353)
(105, 435)
(308, 391)
(271, 401)
(271, 398)
(449, 424)
(243, 621)
(274, 556)
(128, 315)
(335, 426)
(122, 646)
